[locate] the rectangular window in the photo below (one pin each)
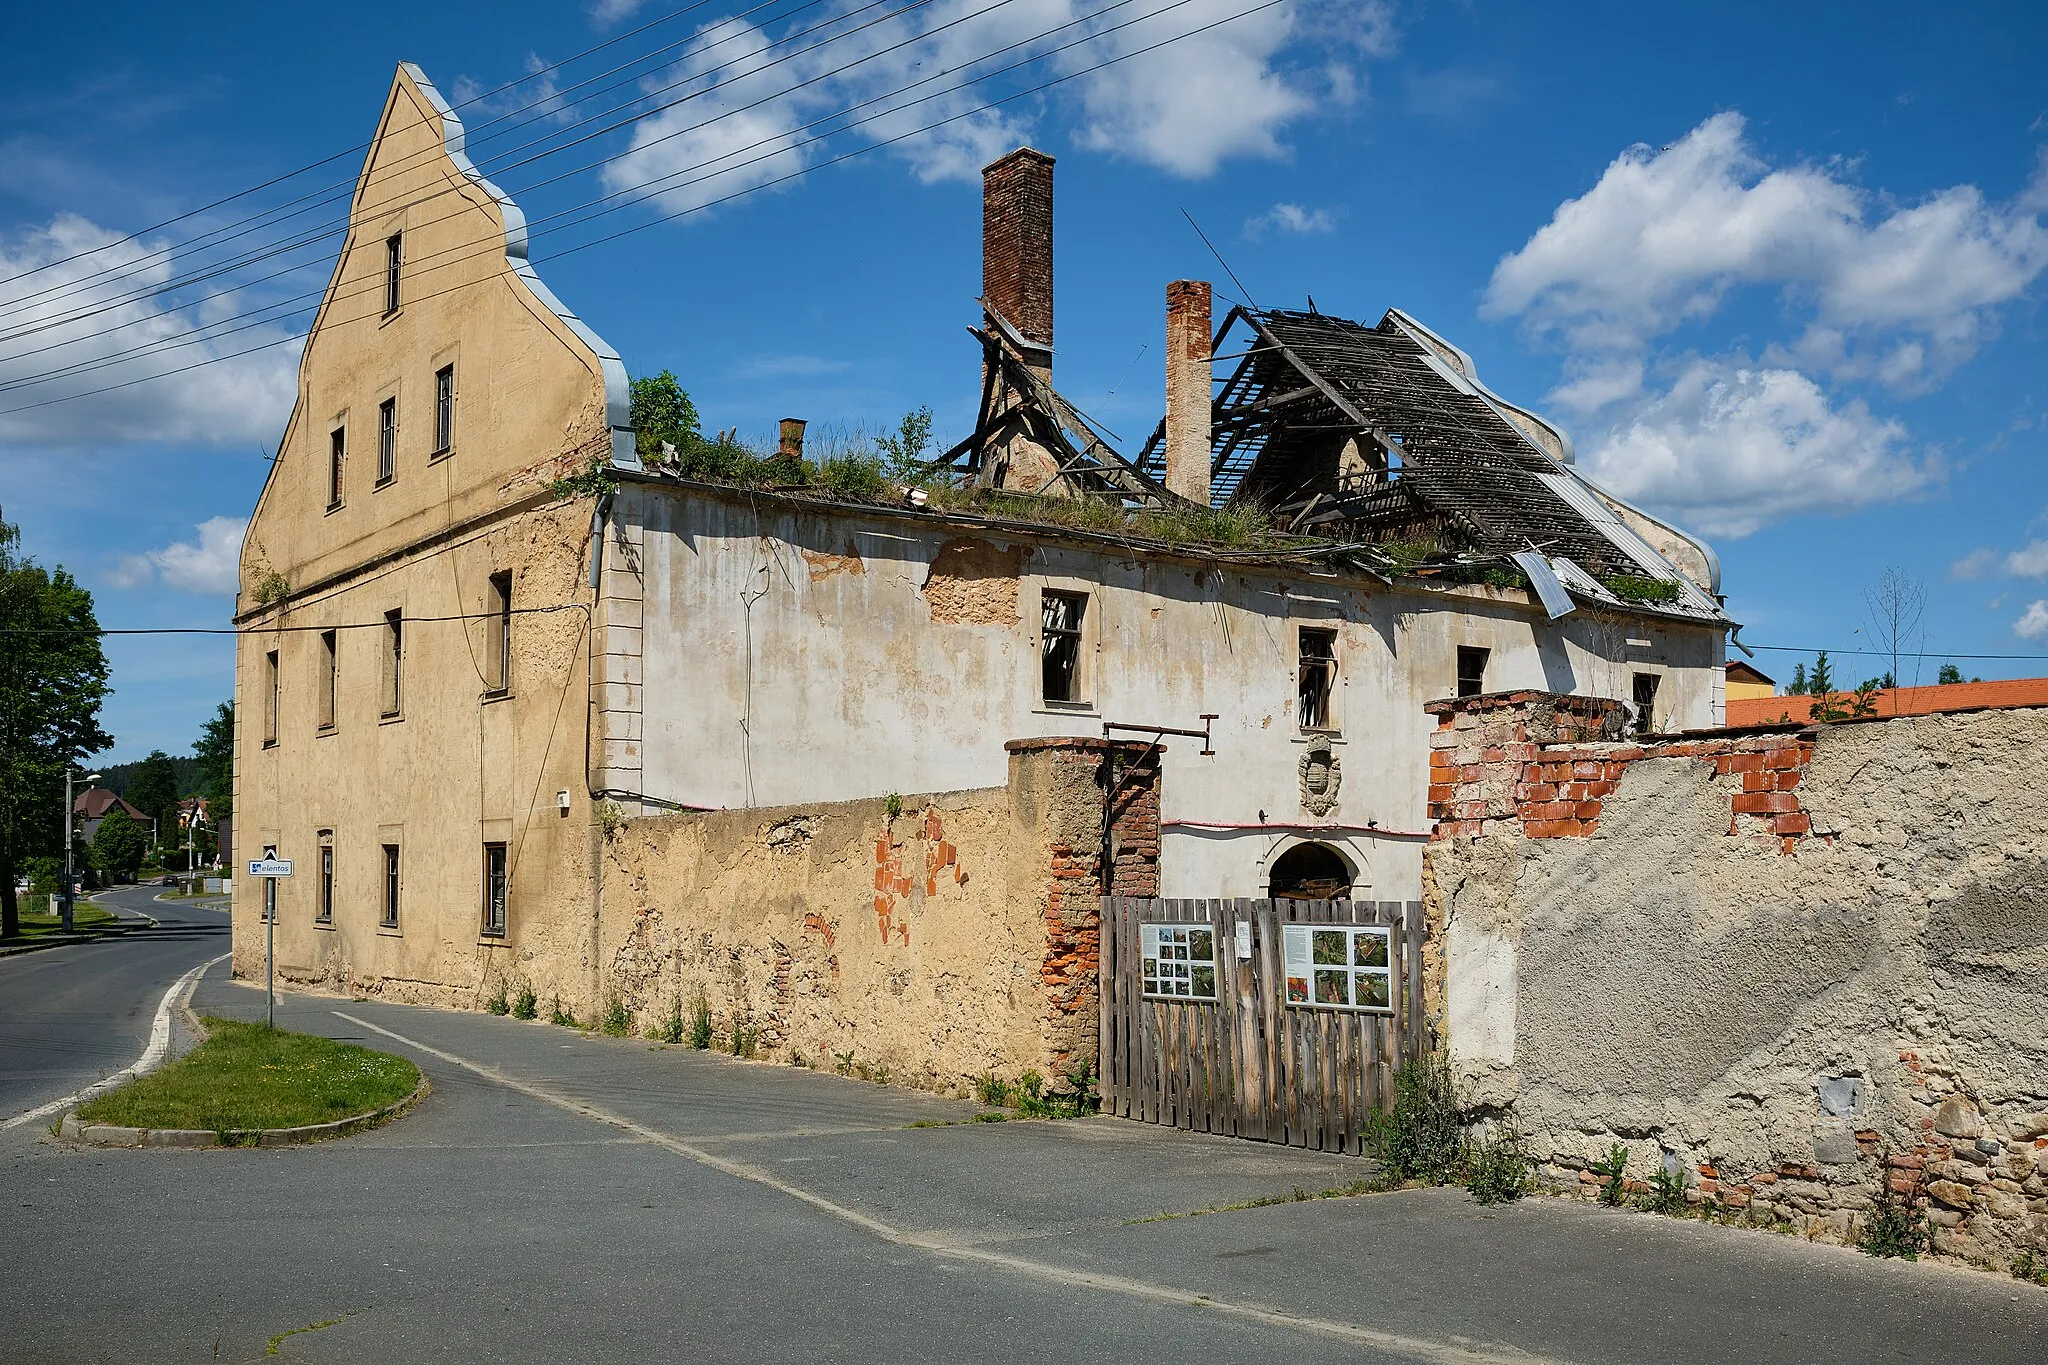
(325, 913)
(1060, 645)
(1471, 670)
(1646, 703)
(387, 440)
(498, 634)
(390, 919)
(444, 409)
(394, 661)
(1179, 960)
(494, 889)
(328, 643)
(337, 449)
(272, 681)
(1339, 966)
(1316, 678)
(394, 257)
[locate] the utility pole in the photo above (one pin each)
(66, 891)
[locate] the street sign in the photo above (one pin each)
(270, 867)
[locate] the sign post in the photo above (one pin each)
(270, 867)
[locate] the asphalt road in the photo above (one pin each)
(562, 1197)
(71, 1015)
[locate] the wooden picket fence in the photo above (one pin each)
(1249, 1064)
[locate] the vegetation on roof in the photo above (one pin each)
(1631, 587)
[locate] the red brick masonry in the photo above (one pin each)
(1547, 762)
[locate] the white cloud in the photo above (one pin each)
(1290, 218)
(2029, 561)
(2033, 623)
(43, 331)
(605, 13)
(1729, 447)
(1979, 563)
(209, 564)
(1896, 293)
(1185, 108)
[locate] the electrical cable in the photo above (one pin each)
(721, 170)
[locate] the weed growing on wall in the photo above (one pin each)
(618, 1020)
(671, 1027)
(744, 1039)
(842, 1062)
(1423, 1136)
(2031, 1268)
(498, 1002)
(1666, 1192)
(1497, 1169)
(1612, 1170)
(1897, 1225)
(525, 1004)
(559, 1015)
(700, 1021)
(992, 1091)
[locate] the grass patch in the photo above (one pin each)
(249, 1076)
(1298, 1196)
(84, 915)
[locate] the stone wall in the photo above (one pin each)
(1793, 963)
(953, 938)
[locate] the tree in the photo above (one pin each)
(216, 754)
(902, 453)
(663, 412)
(118, 846)
(53, 676)
(154, 791)
(1799, 685)
(1897, 601)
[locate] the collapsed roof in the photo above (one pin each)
(1385, 435)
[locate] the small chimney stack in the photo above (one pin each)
(792, 442)
(1016, 246)
(1188, 394)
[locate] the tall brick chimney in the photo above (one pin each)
(1187, 389)
(1016, 245)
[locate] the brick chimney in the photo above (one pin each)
(1187, 389)
(791, 440)
(1016, 245)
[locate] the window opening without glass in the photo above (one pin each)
(390, 919)
(1646, 702)
(1339, 966)
(1316, 678)
(1310, 872)
(1180, 961)
(498, 634)
(329, 644)
(272, 681)
(394, 661)
(394, 258)
(444, 409)
(1060, 644)
(387, 440)
(337, 450)
(1471, 670)
(494, 888)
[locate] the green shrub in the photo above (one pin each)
(700, 1021)
(1640, 588)
(2031, 1268)
(618, 1020)
(992, 1091)
(560, 1016)
(1497, 1169)
(498, 1002)
(852, 476)
(1897, 1226)
(1423, 1136)
(1666, 1193)
(525, 1005)
(671, 1028)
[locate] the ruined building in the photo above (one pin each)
(507, 689)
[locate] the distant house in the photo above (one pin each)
(1897, 701)
(1746, 681)
(93, 806)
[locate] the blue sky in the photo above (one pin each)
(1777, 268)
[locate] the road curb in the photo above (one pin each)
(110, 1135)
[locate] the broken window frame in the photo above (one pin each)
(1472, 662)
(393, 887)
(498, 635)
(497, 883)
(394, 663)
(273, 697)
(1315, 678)
(337, 458)
(330, 668)
(1062, 678)
(394, 267)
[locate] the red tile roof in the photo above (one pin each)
(94, 802)
(1901, 701)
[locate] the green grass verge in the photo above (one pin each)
(249, 1076)
(84, 915)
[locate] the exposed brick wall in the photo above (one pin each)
(1543, 763)
(1080, 774)
(1016, 241)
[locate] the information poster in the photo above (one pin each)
(1339, 966)
(1180, 960)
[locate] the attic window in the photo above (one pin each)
(337, 451)
(1316, 678)
(1060, 644)
(1472, 670)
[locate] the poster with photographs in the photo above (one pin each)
(1339, 966)
(1180, 961)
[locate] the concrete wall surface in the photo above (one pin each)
(954, 938)
(1794, 964)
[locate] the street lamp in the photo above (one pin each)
(69, 813)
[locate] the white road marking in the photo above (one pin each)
(152, 1056)
(1450, 1349)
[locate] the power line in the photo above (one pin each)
(361, 146)
(724, 169)
(379, 624)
